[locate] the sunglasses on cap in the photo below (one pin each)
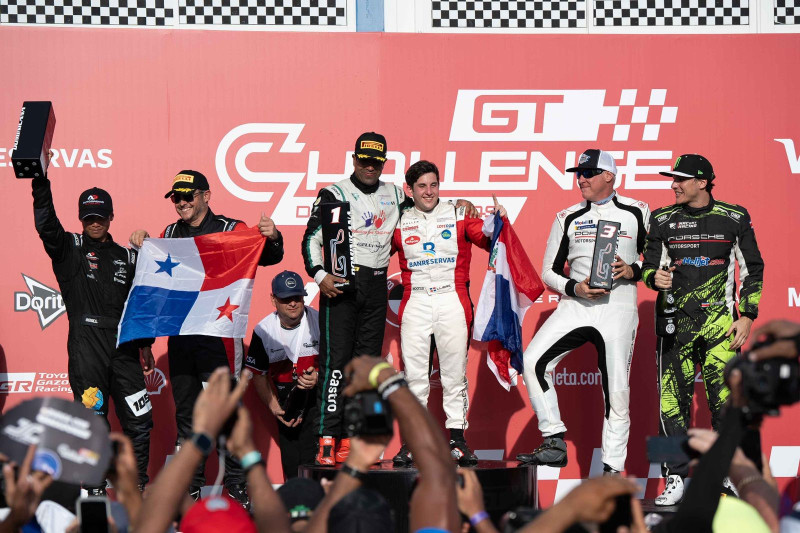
(185, 196)
(588, 173)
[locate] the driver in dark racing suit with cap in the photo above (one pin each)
(95, 275)
(698, 239)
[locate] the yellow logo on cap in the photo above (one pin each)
(186, 178)
(372, 145)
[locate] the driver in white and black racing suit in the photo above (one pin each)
(607, 319)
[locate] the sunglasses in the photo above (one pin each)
(370, 162)
(588, 173)
(177, 197)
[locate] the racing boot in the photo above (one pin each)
(552, 452)
(610, 471)
(325, 453)
(461, 453)
(239, 493)
(673, 492)
(342, 450)
(403, 457)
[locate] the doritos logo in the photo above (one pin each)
(372, 145)
(186, 178)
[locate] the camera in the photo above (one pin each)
(767, 384)
(367, 413)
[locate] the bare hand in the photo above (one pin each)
(734, 383)
(471, 211)
(278, 411)
(365, 450)
(781, 331)
(499, 209)
(663, 278)
(137, 238)
(307, 379)
(216, 402)
(742, 329)
(357, 374)
(470, 496)
(267, 227)
(583, 290)
(125, 474)
(621, 269)
(240, 443)
(147, 360)
(24, 492)
(702, 439)
(327, 287)
(593, 500)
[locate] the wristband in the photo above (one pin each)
(478, 517)
(373, 374)
(202, 442)
(352, 472)
(391, 389)
(746, 481)
(389, 381)
(249, 459)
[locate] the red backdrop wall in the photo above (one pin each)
(270, 117)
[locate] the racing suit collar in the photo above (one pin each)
(694, 211)
(93, 242)
(605, 200)
(199, 230)
(366, 189)
(432, 212)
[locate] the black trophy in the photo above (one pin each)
(31, 153)
(336, 243)
(605, 248)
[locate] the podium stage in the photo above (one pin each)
(506, 485)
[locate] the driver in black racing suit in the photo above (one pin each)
(95, 275)
(698, 239)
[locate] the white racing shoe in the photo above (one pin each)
(673, 492)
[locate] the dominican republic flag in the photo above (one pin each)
(510, 287)
(196, 286)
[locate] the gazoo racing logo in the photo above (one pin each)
(333, 390)
(254, 161)
(41, 299)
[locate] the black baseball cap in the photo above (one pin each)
(371, 145)
(288, 283)
(188, 181)
(95, 202)
(300, 496)
(595, 159)
(689, 166)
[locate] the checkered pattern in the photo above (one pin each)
(787, 11)
(259, 12)
(100, 12)
(671, 12)
(644, 117)
(509, 14)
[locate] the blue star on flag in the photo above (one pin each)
(167, 265)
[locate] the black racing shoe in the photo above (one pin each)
(97, 491)
(403, 457)
(239, 493)
(610, 471)
(552, 452)
(461, 453)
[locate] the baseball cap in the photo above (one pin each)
(217, 514)
(188, 181)
(95, 202)
(594, 158)
(371, 145)
(300, 496)
(691, 166)
(288, 283)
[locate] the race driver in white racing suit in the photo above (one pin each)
(434, 240)
(607, 319)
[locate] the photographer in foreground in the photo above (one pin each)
(433, 505)
(168, 496)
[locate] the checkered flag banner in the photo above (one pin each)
(671, 12)
(787, 12)
(509, 14)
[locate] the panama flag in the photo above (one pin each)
(196, 286)
(510, 287)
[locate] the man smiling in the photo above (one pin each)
(697, 239)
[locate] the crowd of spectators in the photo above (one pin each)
(445, 498)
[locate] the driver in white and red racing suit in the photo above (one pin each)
(434, 240)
